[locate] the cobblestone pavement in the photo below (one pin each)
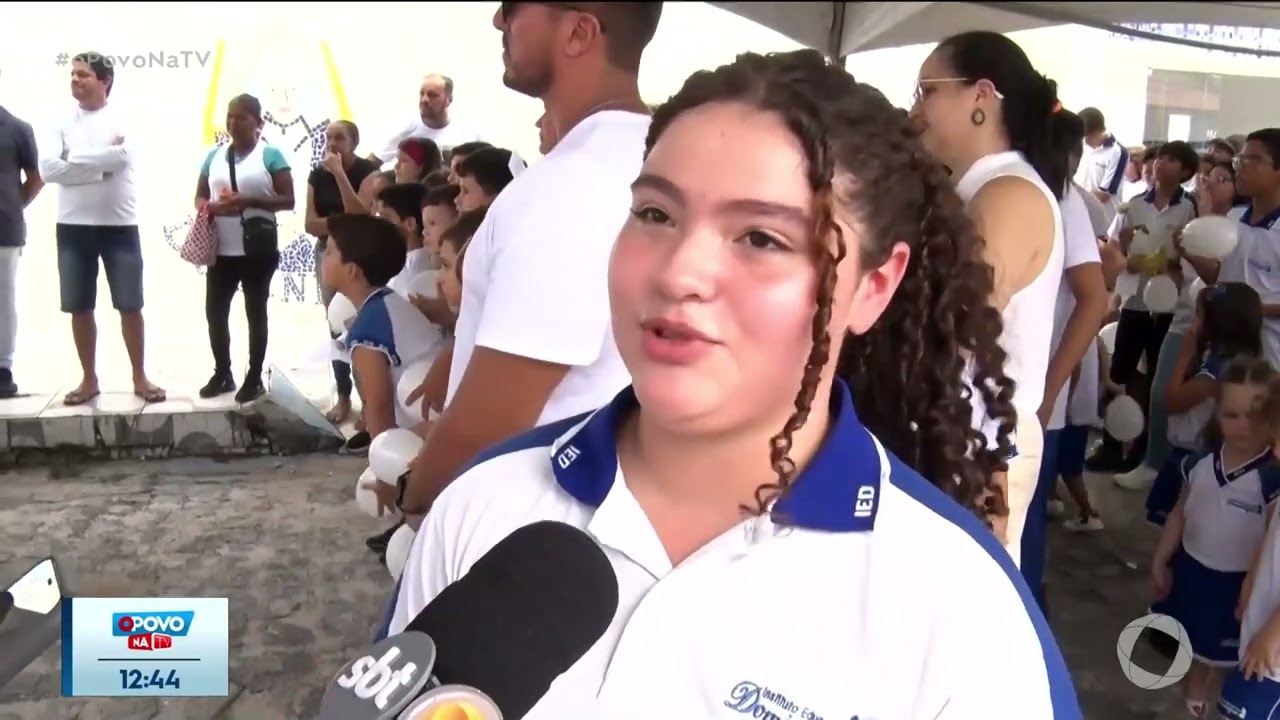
(282, 538)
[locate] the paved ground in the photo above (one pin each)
(284, 540)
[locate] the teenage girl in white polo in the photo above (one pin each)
(773, 558)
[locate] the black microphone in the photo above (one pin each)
(495, 640)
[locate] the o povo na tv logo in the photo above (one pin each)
(154, 630)
(1128, 641)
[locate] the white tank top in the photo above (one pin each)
(1028, 318)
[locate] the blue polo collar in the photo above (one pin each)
(838, 491)
(1267, 221)
(1149, 196)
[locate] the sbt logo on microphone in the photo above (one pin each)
(394, 672)
(151, 630)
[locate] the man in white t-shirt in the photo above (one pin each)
(1101, 169)
(433, 121)
(533, 341)
(90, 157)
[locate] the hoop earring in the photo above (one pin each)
(977, 117)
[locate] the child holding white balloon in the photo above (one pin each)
(1228, 325)
(1252, 689)
(1144, 230)
(438, 213)
(1213, 533)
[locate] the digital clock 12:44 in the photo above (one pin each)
(137, 680)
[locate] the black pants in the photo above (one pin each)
(1139, 334)
(224, 277)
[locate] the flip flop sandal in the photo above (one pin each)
(152, 395)
(79, 397)
(1197, 707)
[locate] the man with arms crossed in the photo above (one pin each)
(19, 184)
(533, 341)
(89, 156)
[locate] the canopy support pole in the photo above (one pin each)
(835, 39)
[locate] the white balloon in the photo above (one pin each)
(391, 452)
(1124, 419)
(1108, 337)
(367, 499)
(426, 284)
(1212, 236)
(341, 313)
(1161, 294)
(410, 379)
(398, 548)
(1193, 289)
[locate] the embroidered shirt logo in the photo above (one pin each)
(759, 701)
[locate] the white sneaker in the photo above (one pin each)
(1083, 525)
(1057, 509)
(1139, 478)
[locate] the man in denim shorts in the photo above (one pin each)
(88, 156)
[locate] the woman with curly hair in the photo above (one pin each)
(734, 480)
(986, 113)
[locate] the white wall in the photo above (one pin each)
(273, 50)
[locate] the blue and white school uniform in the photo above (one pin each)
(1185, 431)
(388, 323)
(1257, 699)
(863, 638)
(1225, 515)
(1255, 261)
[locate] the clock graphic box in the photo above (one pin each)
(138, 647)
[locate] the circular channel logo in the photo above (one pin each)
(1142, 677)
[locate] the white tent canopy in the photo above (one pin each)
(843, 28)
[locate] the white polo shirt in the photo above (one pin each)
(1226, 510)
(1256, 262)
(1102, 168)
(1079, 247)
(535, 275)
(1160, 224)
(863, 606)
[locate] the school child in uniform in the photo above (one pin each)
(1252, 690)
(1073, 444)
(1228, 325)
(1211, 537)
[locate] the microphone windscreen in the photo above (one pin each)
(527, 610)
